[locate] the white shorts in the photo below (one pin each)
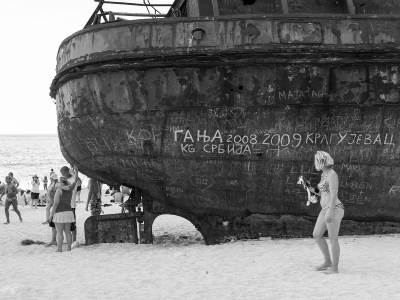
(64, 217)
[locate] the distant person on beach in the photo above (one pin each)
(77, 192)
(11, 193)
(331, 213)
(50, 201)
(42, 199)
(61, 212)
(21, 198)
(52, 172)
(117, 195)
(35, 191)
(2, 192)
(94, 197)
(28, 197)
(14, 181)
(45, 183)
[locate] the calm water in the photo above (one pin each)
(26, 155)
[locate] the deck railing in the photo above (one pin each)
(105, 16)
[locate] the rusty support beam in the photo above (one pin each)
(215, 8)
(193, 7)
(131, 14)
(152, 6)
(134, 4)
(94, 15)
(285, 7)
(350, 7)
(103, 14)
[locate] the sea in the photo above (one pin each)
(27, 155)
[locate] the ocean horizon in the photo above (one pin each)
(29, 154)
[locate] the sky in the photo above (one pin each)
(31, 32)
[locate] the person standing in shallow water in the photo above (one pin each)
(332, 211)
(11, 193)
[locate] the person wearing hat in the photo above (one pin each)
(331, 214)
(35, 190)
(11, 192)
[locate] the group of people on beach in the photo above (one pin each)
(63, 192)
(61, 207)
(61, 197)
(33, 196)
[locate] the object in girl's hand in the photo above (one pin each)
(312, 194)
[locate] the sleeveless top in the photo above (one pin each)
(35, 187)
(323, 186)
(65, 201)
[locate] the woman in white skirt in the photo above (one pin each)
(61, 212)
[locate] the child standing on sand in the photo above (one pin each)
(21, 198)
(45, 183)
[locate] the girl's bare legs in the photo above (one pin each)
(318, 234)
(67, 230)
(6, 208)
(53, 238)
(333, 232)
(60, 236)
(15, 206)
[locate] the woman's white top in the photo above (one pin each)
(35, 187)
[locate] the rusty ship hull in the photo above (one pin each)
(215, 119)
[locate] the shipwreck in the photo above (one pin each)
(215, 108)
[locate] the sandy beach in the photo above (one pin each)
(179, 266)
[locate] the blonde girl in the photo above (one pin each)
(330, 217)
